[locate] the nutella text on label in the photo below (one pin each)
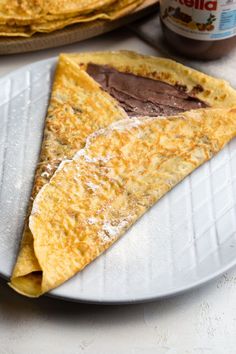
(207, 20)
(200, 4)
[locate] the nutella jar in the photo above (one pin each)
(200, 29)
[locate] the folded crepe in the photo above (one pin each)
(27, 12)
(26, 18)
(78, 107)
(123, 170)
(112, 12)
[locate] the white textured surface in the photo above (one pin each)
(200, 322)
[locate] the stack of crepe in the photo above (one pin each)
(103, 164)
(26, 17)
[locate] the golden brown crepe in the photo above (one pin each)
(113, 12)
(78, 107)
(28, 17)
(26, 12)
(15, 31)
(122, 171)
(22, 12)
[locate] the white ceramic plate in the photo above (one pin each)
(186, 239)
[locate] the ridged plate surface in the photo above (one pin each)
(186, 239)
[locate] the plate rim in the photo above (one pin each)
(181, 290)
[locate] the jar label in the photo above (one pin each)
(205, 20)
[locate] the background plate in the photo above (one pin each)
(186, 239)
(73, 33)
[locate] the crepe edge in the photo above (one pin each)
(217, 92)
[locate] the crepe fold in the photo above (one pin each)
(122, 171)
(100, 191)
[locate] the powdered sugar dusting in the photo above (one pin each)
(126, 124)
(120, 125)
(49, 167)
(110, 232)
(82, 153)
(62, 166)
(92, 220)
(79, 153)
(92, 186)
(77, 178)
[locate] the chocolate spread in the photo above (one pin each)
(140, 96)
(196, 49)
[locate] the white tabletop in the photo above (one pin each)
(199, 322)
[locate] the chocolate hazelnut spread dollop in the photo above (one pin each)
(140, 96)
